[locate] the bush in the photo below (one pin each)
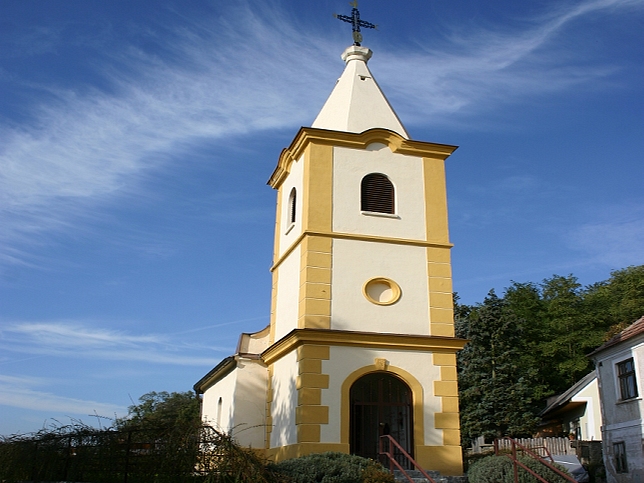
(500, 469)
(333, 467)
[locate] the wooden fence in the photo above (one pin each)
(554, 445)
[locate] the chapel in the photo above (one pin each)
(361, 336)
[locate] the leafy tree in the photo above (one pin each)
(163, 409)
(618, 301)
(497, 392)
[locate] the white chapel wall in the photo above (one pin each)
(284, 401)
(355, 262)
(288, 292)
(290, 232)
(345, 360)
(406, 174)
(249, 419)
(219, 416)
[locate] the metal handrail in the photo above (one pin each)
(533, 455)
(392, 460)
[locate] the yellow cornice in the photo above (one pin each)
(360, 237)
(396, 143)
(372, 340)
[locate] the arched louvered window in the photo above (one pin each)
(291, 206)
(377, 194)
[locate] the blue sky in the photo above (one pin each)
(136, 138)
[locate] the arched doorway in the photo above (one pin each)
(381, 403)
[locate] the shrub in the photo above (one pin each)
(333, 467)
(499, 469)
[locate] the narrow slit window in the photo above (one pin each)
(377, 194)
(292, 199)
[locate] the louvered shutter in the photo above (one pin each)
(377, 194)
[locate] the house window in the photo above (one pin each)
(627, 381)
(619, 449)
(291, 206)
(377, 194)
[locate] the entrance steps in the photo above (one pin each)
(417, 477)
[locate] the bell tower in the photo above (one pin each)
(362, 290)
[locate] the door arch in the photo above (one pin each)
(380, 403)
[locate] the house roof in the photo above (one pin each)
(565, 397)
(635, 329)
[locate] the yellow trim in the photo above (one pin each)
(309, 396)
(308, 433)
(435, 200)
(312, 380)
(444, 359)
(312, 415)
(318, 188)
(446, 459)
(445, 388)
(372, 340)
(396, 143)
(393, 286)
(356, 236)
(417, 401)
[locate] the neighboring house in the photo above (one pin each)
(620, 368)
(575, 413)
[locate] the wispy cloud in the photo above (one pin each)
(483, 69)
(27, 393)
(72, 339)
(613, 239)
(215, 81)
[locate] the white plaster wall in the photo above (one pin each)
(406, 174)
(591, 421)
(249, 412)
(224, 388)
(284, 401)
(295, 179)
(288, 292)
(355, 262)
(345, 360)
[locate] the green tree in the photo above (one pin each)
(163, 409)
(496, 391)
(618, 301)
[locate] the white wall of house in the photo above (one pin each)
(590, 421)
(622, 419)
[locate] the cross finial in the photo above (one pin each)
(355, 22)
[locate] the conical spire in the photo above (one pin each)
(357, 103)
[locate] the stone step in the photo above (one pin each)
(417, 477)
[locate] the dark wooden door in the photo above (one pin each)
(380, 404)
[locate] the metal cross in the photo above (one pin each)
(355, 22)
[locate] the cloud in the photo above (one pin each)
(77, 340)
(19, 392)
(613, 239)
(483, 69)
(209, 79)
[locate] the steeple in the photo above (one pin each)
(357, 104)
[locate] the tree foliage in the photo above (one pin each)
(163, 409)
(533, 342)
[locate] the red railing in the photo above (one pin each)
(533, 455)
(389, 453)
